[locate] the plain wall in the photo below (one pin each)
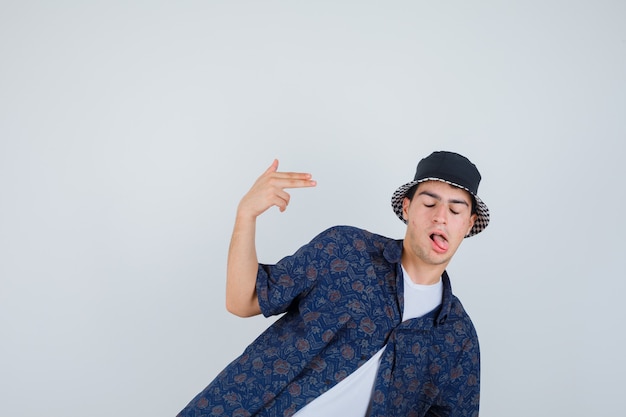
(130, 130)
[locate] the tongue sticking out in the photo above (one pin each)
(441, 243)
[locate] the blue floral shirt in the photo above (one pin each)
(342, 295)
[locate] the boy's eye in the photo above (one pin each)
(429, 205)
(453, 211)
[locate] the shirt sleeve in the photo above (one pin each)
(280, 284)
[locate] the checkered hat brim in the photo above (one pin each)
(481, 208)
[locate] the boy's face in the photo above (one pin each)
(438, 218)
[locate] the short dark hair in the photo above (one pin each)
(411, 193)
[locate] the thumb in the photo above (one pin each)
(273, 167)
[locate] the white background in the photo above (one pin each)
(130, 130)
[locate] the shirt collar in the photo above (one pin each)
(393, 254)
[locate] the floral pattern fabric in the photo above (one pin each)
(342, 299)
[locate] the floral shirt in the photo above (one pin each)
(342, 295)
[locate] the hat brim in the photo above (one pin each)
(482, 211)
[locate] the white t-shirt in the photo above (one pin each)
(347, 399)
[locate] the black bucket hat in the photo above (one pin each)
(451, 168)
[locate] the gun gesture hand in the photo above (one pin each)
(269, 190)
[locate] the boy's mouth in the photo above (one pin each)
(440, 242)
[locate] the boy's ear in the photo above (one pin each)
(405, 208)
(473, 218)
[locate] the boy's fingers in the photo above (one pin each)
(293, 180)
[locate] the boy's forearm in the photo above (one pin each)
(242, 267)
